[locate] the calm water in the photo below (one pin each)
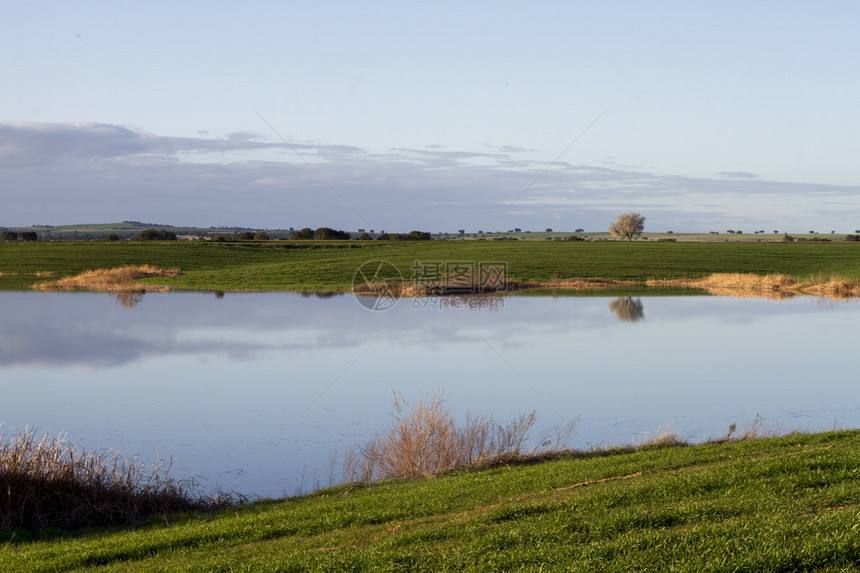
(254, 392)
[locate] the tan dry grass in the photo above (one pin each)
(413, 289)
(50, 483)
(120, 279)
(776, 286)
(425, 440)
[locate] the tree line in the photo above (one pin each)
(12, 236)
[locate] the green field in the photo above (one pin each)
(331, 265)
(783, 504)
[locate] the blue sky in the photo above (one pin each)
(433, 116)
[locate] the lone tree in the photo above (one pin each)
(628, 226)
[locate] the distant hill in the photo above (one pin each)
(128, 229)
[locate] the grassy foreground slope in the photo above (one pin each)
(782, 504)
(331, 265)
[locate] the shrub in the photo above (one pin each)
(156, 235)
(425, 440)
(50, 483)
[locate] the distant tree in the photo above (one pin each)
(417, 236)
(219, 238)
(775, 232)
(155, 235)
(852, 238)
(329, 234)
(517, 230)
(383, 236)
(365, 237)
(579, 231)
(261, 236)
(8, 236)
(244, 236)
(462, 231)
(548, 230)
(112, 237)
(628, 226)
(305, 234)
(28, 236)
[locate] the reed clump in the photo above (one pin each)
(120, 279)
(426, 440)
(777, 286)
(414, 289)
(49, 483)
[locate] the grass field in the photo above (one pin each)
(331, 266)
(782, 504)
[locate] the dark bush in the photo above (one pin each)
(329, 234)
(155, 235)
(305, 234)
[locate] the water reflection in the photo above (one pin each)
(627, 308)
(249, 388)
(127, 299)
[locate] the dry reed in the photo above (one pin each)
(412, 289)
(426, 440)
(775, 286)
(49, 483)
(120, 279)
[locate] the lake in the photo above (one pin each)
(256, 392)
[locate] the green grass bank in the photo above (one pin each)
(331, 265)
(781, 504)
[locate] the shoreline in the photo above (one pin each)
(125, 279)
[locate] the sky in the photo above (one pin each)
(433, 116)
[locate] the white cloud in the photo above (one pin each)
(87, 172)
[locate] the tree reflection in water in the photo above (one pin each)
(127, 299)
(627, 308)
